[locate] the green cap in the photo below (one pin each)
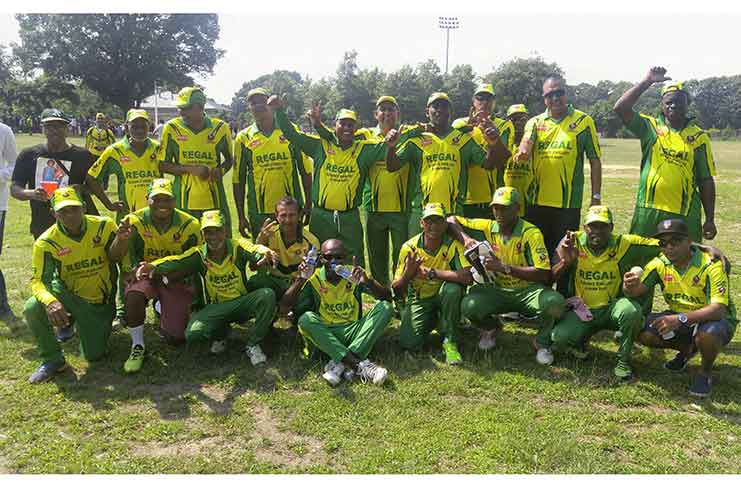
(212, 219)
(520, 108)
(598, 214)
(190, 96)
(438, 96)
(160, 186)
(505, 196)
(387, 98)
(255, 92)
(133, 114)
(485, 88)
(433, 209)
(672, 87)
(345, 114)
(52, 114)
(65, 196)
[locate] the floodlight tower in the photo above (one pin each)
(447, 23)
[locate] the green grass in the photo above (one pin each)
(498, 413)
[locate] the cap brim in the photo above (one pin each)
(211, 225)
(67, 203)
(596, 220)
(670, 232)
(160, 192)
(55, 118)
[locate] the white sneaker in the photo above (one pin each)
(369, 371)
(333, 373)
(488, 340)
(255, 354)
(218, 346)
(544, 356)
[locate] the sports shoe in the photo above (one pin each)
(544, 356)
(65, 333)
(701, 386)
(452, 355)
(678, 363)
(333, 372)
(488, 340)
(255, 354)
(46, 371)
(623, 371)
(218, 346)
(348, 374)
(136, 359)
(369, 371)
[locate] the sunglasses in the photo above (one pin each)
(556, 93)
(674, 241)
(332, 256)
(484, 97)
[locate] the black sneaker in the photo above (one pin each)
(701, 386)
(64, 334)
(678, 363)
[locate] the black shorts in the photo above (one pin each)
(553, 223)
(683, 335)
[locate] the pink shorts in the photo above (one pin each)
(175, 301)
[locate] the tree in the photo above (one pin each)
(409, 93)
(460, 85)
(279, 82)
(120, 56)
(521, 81)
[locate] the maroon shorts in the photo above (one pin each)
(175, 301)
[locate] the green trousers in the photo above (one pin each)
(212, 321)
(342, 225)
(479, 211)
(645, 221)
(357, 337)
(256, 221)
(93, 323)
(415, 216)
(485, 300)
(421, 316)
(262, 280)
(378, 228)
(622, 315)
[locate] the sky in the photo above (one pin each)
(621, 44)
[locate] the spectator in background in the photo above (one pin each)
(7, 164)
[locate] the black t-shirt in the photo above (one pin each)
(36, 165)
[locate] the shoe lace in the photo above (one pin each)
(368, 371)
(137, 352)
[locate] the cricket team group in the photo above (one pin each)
(466, 220)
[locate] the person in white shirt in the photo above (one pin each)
(8, 154)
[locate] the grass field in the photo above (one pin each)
(498, 413)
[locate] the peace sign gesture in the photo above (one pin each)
(314, 114)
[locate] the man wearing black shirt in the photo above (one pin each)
(40, 169)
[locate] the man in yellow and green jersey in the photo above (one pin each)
(594, 261)
(74, 281)
(701, 315)
(340, 170)
(519, 174)
(440, 159)
(160, 230)
(433, 274)
(557, 141)
(677, 165)
(221, 264)
(99, 136)
(134, 161)
(481, 182)
(267, 165)
(521, 267)
(197, 149)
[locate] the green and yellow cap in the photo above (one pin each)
(672, 87)
(433, 209)
(100, 116)
(255, 92)
(212, 219)
(160, 186)
(505, 196)
(133, 114)
(485, 88)
(192, 95)
(64, 197)
(598, 214)
(438, 96)
(345, 114)
(387, 98)
(520, 108)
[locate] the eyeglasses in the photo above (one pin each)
(483, 97)
(332, 256)
(674, 241)
(556, 93)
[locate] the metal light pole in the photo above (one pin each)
(447, 23)
(156, 104)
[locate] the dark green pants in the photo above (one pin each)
(342, 225)
(93, 323)
(415, 216)
(256, 221)
(262, 280)
(421, 316)
(645, 221)
(378, 228)
(478, 211)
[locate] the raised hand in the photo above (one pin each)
(244, 227)
(566, 250)
(124, 230)
(315, 114)
(412, 264)
(268, 227)
(657, 74)
(276, 102)
(144, 270)
(358, 274)
(392, 137)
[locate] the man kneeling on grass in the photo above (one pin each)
(701, 314)
(330, 311)
(74, 281)
(221, 264)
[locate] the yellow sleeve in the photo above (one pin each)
(458, 260)
(652, 272)
(100, 164)
(43, 270)
(475, 224)
(530, 132)
(401, 264)
(538, 252)
(718, 280)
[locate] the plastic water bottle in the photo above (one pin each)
(344, 272)
(310, 259)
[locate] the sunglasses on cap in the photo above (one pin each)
(674, 241)
(556, 93)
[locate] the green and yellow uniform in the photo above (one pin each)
(519, 175)
(338, 178)
(134, 172)
(482, 182)
(180, 145)
(430, 302)
(673, 164)
(76, 271)
(332, 319)
(98, 139)
(270, 167)
(148, 244)
(524, 248)
(225, 290)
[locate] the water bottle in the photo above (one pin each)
(344, 272)
(667, 336)
(310, 260)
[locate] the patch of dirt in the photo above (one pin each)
(189, 448)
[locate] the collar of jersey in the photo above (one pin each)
(687, 122)
(569, 112)
(147, 218)
(516, 231)
(695, 261)
(82, 231)
(227, 255)
(253, 130)
(127, 145)
(421, 244)
(206, 124)
(610, 244)
(299, 235)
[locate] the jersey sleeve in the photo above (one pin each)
(224, 145)
(372, 152)
(536, 254)
(169, 150)
(506, 133)
(640, 126)
(23, 172)
(308, 144)
(325, 133)
(44, 266)
(457, 259)
(652, 273)
(475, 227)
(718, 284)
(253, 251)
(589, 140)
(409, 153)
(472, 153)
(640, 251)
(101, 169)
(191, 261)
(242, 158)
(704, 162)
(530, 132)
(136, 244)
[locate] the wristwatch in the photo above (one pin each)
(597, 196)
(432, 274)
(682, 318)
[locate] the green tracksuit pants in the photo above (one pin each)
(622, 315)
(93, 323)
(483, 301)
(342, 225)
(421, 316)
(379, 226)
(357, 337)
(477, 211)
(262, 280)
(211, 322)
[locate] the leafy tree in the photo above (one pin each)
(279, 82)
(460, 85)
(521, 81)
